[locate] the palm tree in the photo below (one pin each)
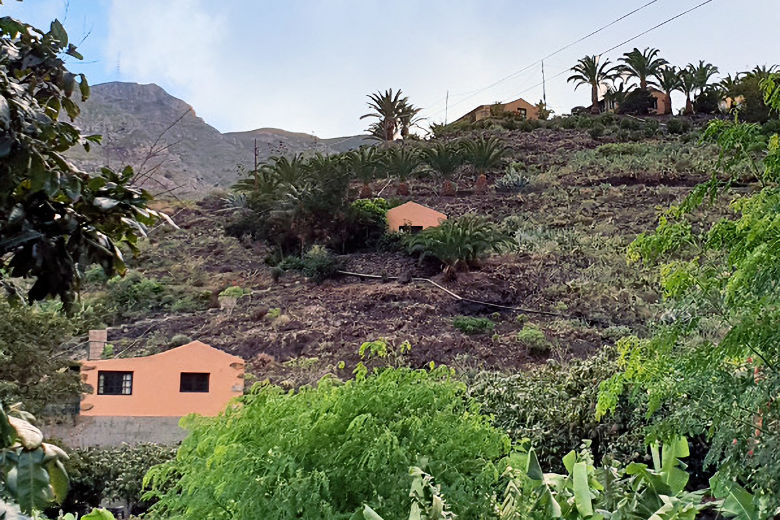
(393, 112)
(702, 73)
(363, 164)
(643, 65)
(687, 86)
(483, 153)
(588, 71)
(444, 159)
(401, 162)
(616, 95)
(668, 80)
(761, 71)
(407, 117)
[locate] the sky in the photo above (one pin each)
(308, 65)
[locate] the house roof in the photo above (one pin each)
(411, 213)
(189, 349)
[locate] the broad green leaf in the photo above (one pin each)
(98, 514)
(59, 480)
(29, 436)
(582, 497)
(370, 514)
(737, 502)
(59, 33)
(28, 481)
(533, 469)
(568, 461)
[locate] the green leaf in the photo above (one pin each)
(83, 87)
(582, 490)
(59, 33)
(28, 481)
(370, 514)
(533, 469)
(59, 479)
(737, 502)
(569, 460)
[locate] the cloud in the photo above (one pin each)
(178, 44)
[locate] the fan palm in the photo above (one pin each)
(401, 162)
(668, 80)
(588, 71)
(444, 159)
(408, 117)
(363, 165)
(484, 153)
(643, 65)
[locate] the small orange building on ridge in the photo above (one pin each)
(413, 217)
(192, 378)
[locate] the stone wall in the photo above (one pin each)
(84, 431)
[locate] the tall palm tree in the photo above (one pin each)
(393, 112)
(761, 71)
(588, 71)
(643, 65)
(702, 73)
(668, 80)
(615, 95)
(687, 86)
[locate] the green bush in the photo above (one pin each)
(319, 264)
(678, 126)
(179, 339)
(534, 339)
(472, 325)
(458, 243)
(596, 131)
(553, 405)
(628, 123)
(322, 453)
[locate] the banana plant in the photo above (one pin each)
(32, 475)
(427, 501)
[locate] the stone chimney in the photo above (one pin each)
(97, 341)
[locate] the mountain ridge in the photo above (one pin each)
(172, 148)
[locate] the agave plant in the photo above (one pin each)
(444, 159)
(402, 162)
(458, 243)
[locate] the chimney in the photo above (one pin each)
(97, 341)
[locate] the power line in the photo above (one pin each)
(583, 38)
(564, 71)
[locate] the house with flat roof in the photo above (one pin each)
(519, 106)
(192, 378)
(413, 217)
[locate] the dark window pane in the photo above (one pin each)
(194, 382)
(115, 383)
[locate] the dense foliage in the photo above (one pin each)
(711, 366)
(324, 452)
(31, 369)
(55, 219)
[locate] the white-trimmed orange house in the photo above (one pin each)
(519, 106)
(413, 217)
(192, 378)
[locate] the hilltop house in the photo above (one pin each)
(661, 103)
(413, 217)
(519, 106)
(192, 378)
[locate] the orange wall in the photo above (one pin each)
(530, 111)
(156, 383)
(413, 214)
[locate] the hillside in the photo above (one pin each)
(586, 200)
(183, 152)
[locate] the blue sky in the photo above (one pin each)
(307, 65)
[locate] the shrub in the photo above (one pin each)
(533, 339)
(708, 102)
(553, 406)
(365, 224)
(678, 126)
(651, 127)
(324, 452)
(458, 243)
(233, 291)
(771, 127)
(596, 131)
(472, 325)
(318, 264)
(627, 123)
(568, 123)
(483, 153)
(179, 339)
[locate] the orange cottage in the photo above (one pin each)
(193, 378)
(413, 217)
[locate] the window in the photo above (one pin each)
(522, 112)
(410, 229)
(115, 383)
(194, 382)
